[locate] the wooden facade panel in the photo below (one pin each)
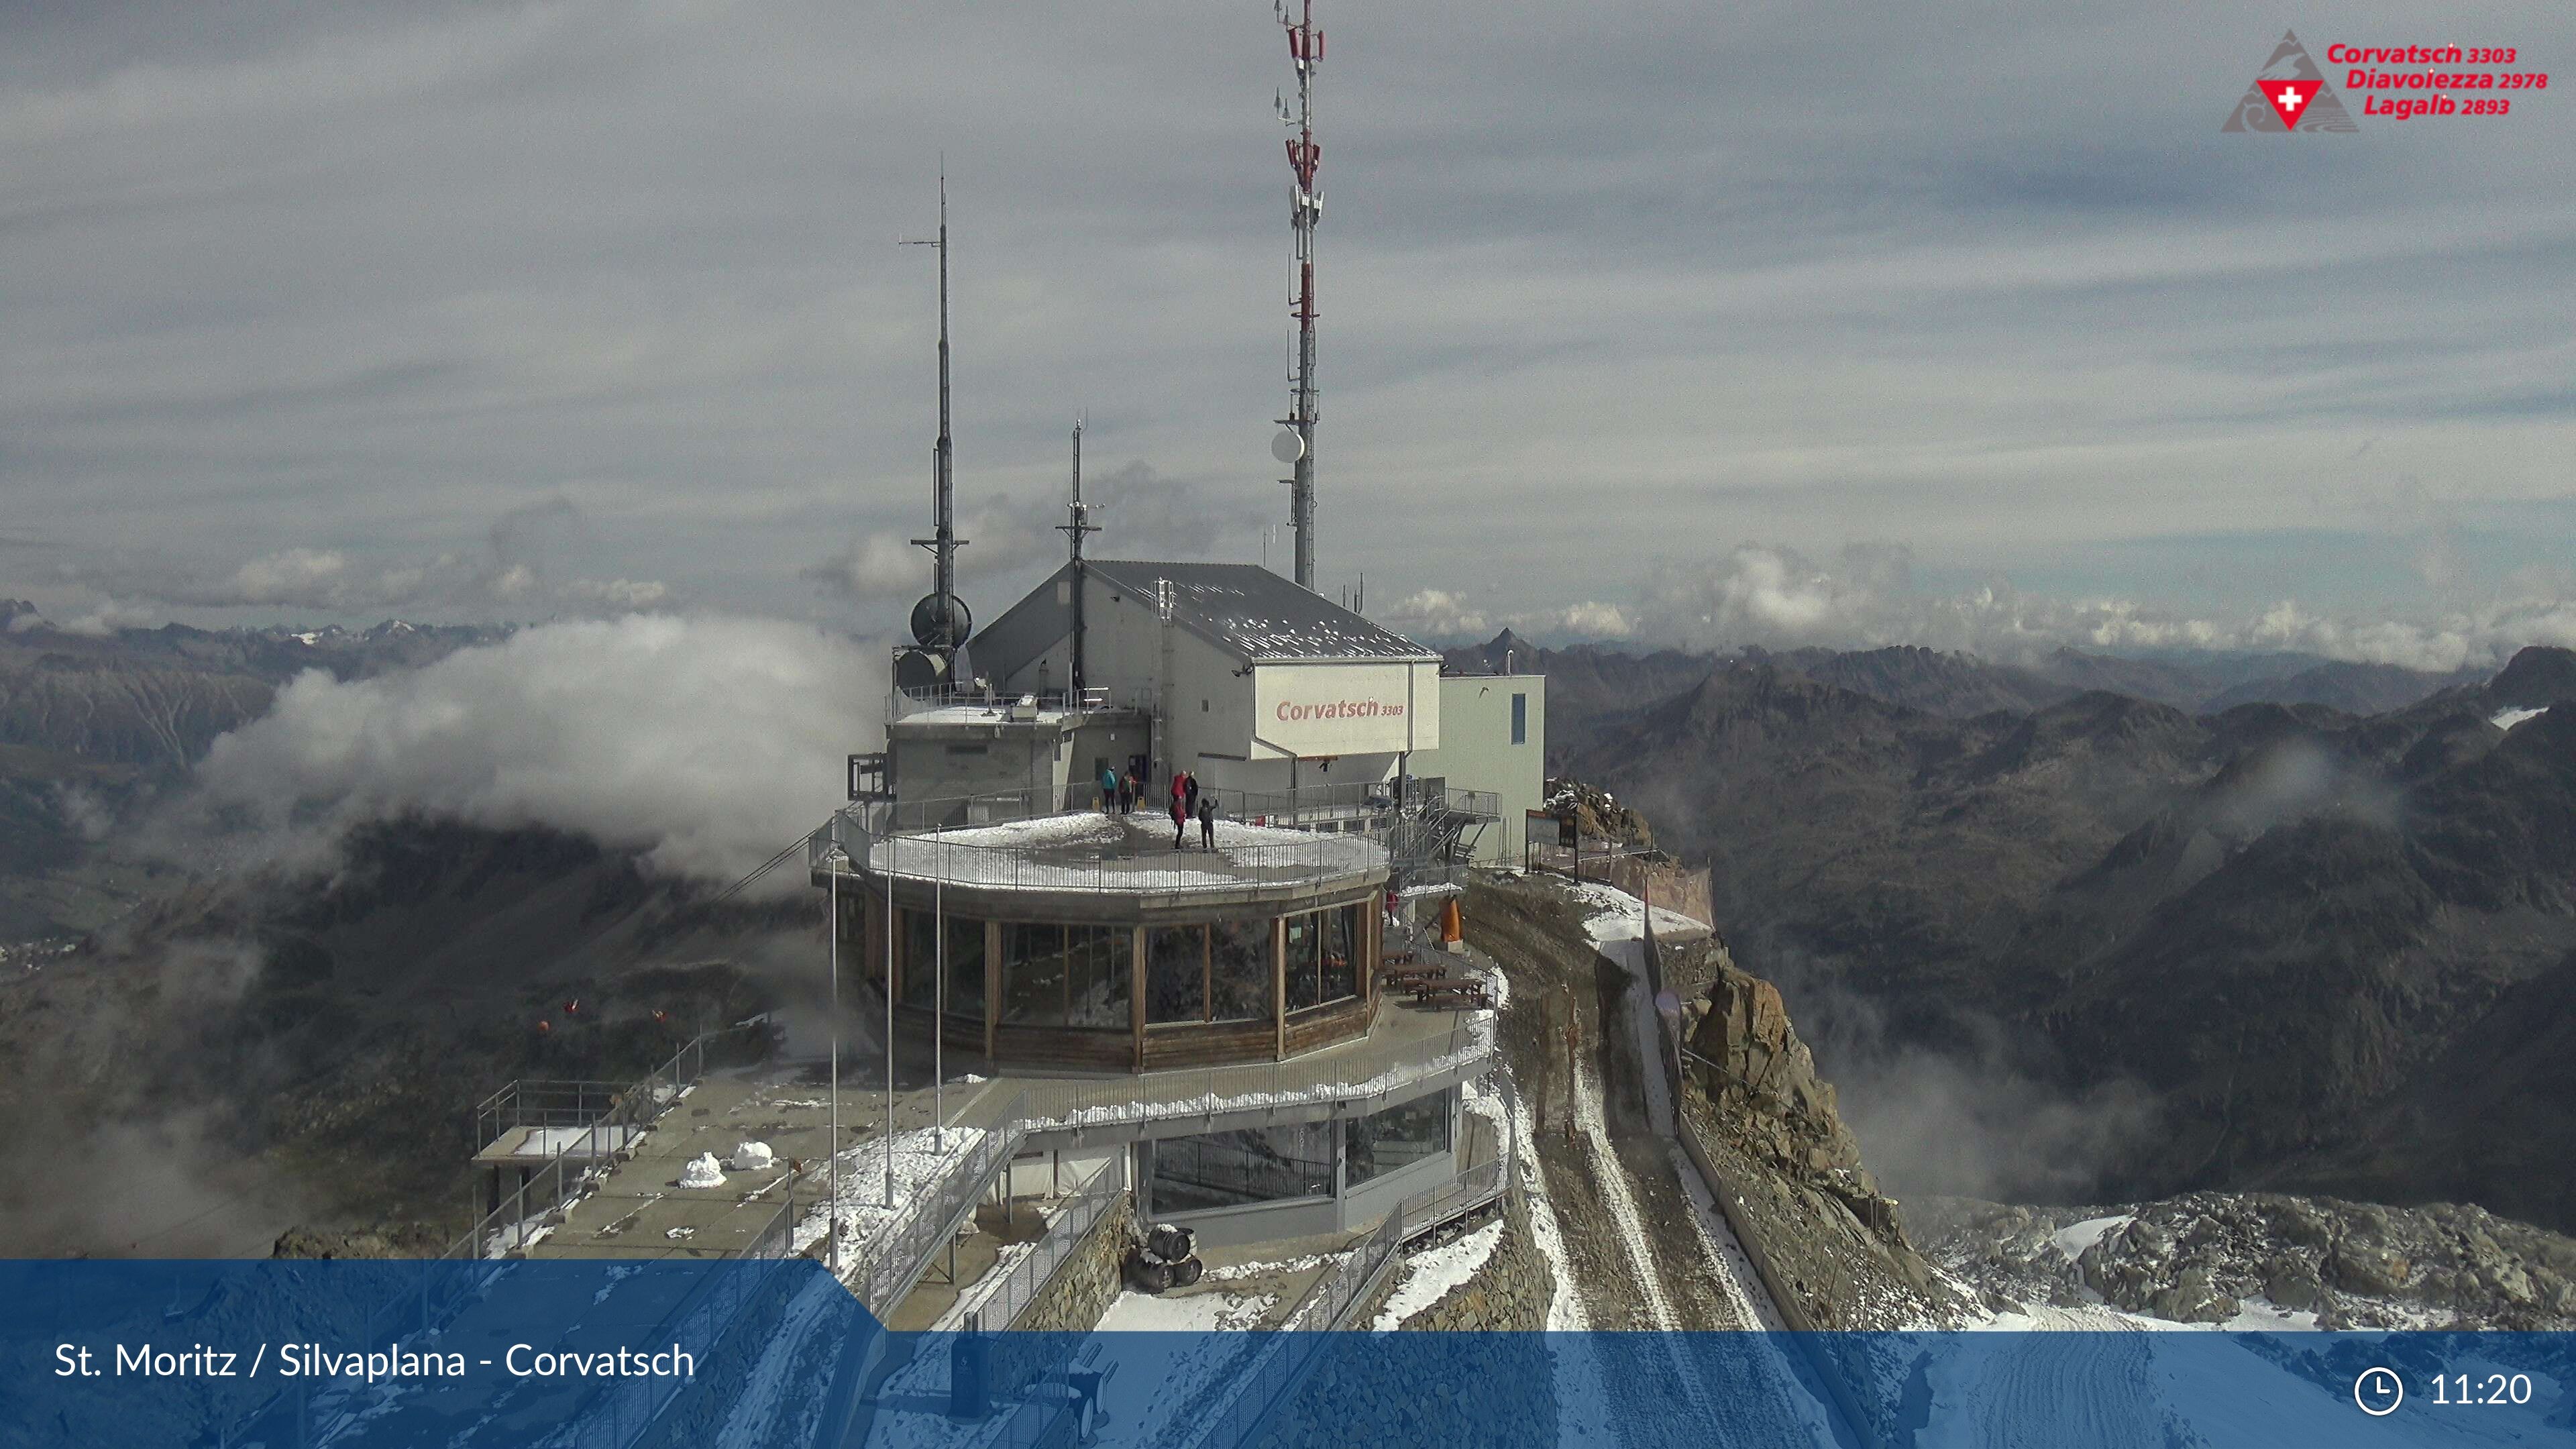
(1207, 1046)
(1324, 1025)
(1105, 1051)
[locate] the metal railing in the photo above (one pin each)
(580, 1160)
(898, 1255)
(1003, 1304)
(1336, 1296)
(1372, 805)
(1316, 860)
(894, 1260)
(576, 1164)
(542, 1104)
(941, 696)
(1351, 1074)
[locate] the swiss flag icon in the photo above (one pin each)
(2289, 98)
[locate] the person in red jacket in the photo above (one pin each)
(1180, 807)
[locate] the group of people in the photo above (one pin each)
(1122, 789)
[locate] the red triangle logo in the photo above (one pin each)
(2289, 98)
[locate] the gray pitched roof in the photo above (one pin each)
(1257, 614)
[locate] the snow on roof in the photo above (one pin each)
(1086, 851)
(1258, 614)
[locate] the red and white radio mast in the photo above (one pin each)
(1305, 52)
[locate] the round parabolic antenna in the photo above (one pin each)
(920, 669)
(1287, 447)
(941, 619)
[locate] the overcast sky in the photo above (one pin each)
(1704, 323)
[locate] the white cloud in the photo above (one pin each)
(1436, 613)
(509, 576)
(1001, 536)
(1590, 619)
(626, 594)
(1866, 597)
(706, 743)
(1441, 614)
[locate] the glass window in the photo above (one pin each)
(1520, 719)
(1305, 946)
(1240, 988)
(1066, 975)
(1176, 970)
(965, 962)
(1100, 962)
(1341, 952)
(1226, 1169)
(1032, 974)
(1381, 1142)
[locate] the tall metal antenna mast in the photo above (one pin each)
(1306, 53)
(940, 621)
(1078, 523)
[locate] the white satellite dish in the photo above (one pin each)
(1287, 447)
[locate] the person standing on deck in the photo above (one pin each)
(1109, 790)
(1191, 802)
(1207, 820)
(1180, 806)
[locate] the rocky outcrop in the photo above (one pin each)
(1509, 1294)
(1598, 815)
(1763, 1082)
(1831, 1247)
(2207, 1257)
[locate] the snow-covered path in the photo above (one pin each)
(1626, 1260)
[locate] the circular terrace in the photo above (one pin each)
(1088, 941)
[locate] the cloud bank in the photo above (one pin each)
(707, 744)
(1866, 596)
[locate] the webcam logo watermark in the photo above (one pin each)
(2290, 94)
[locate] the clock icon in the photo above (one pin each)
(2378, 1392)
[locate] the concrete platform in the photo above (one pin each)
(641, 1211)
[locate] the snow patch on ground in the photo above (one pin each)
(1478, 1039)
(1618, 916)
(1565, 1310)
(918, 1166)
(1185, 1312)
(1429, 1277)
(751, 1157)
(703, 1171)
(2505, 719)
(1290, 1265)
(595, 1141)
(2075, 1238)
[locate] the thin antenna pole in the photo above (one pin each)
(1305, 53)
(943, 542)
(1078, 522)
(891, 848)
(832, 1153)
(939, 991)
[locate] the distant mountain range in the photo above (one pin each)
(92, 724)
(1589, 682)
(2327, 913)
